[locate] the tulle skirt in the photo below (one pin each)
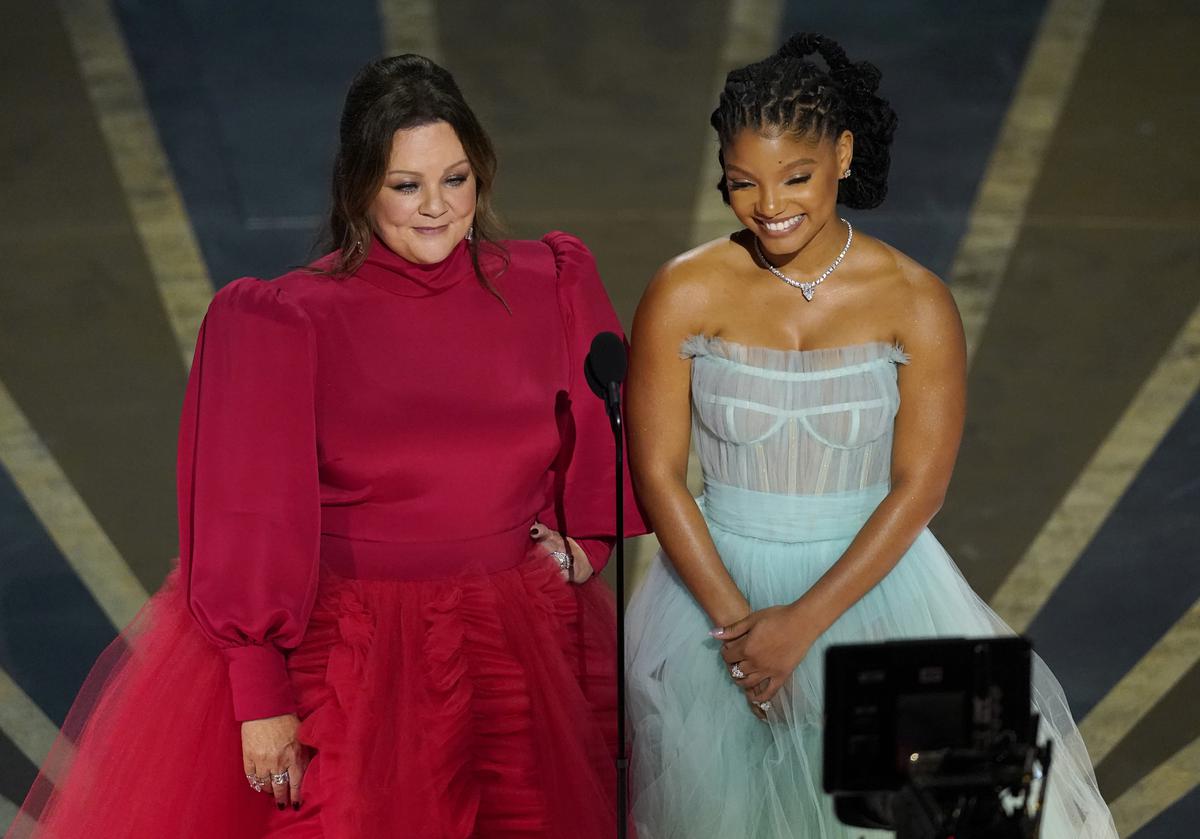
(704, 766)
(481, 705)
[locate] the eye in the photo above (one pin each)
(799, 179)
(734, 185)
(407, 187)
(456, 180)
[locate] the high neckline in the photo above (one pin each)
(386, 269)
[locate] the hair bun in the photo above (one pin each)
(858, 81)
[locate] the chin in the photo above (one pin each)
(784, 245)
(427, 250)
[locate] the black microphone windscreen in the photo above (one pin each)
(606, 362)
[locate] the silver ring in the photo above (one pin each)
(279, 777)
(736, 671)
(256, 783)
(764, 706)
(563, 560)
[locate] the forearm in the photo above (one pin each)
(685, 539)
(883, 540)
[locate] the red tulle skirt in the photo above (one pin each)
(476, 706)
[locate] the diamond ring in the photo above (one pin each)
(563, 560)
(279, 777)
(257, 784)
(736, 671)
(764, 706)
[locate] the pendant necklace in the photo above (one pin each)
(806, 289)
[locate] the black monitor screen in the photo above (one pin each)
(883, 702)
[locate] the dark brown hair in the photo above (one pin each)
(390, 95)
(789, 91)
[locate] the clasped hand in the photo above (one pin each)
(762, 650)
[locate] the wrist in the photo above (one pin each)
(809, 616)
(596, 551)
(259, 682)
(729, 614)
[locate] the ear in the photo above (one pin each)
(844, 147)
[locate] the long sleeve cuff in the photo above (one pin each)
(598, 551)
(259, 679)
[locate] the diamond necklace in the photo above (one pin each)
(806, 289)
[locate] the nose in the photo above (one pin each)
(434, 204)
(767, 204)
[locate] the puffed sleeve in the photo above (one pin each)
(249, 504)
(583, 503)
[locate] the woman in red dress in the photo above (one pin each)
(389, 467)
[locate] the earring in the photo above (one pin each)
(846, 174)
(471, 233)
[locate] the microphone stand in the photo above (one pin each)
(612, 402)
(605, 368)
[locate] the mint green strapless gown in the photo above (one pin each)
(796, 449)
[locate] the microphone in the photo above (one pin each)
(605, 369)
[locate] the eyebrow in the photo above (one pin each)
(418, 174)
(799, 162)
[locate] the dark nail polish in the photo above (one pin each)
(295, 805)
(282, 805)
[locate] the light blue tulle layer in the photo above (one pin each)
(705, 767)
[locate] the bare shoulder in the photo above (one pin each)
(705, 263)
(916, 297)
(692, 282)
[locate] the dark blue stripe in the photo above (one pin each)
(949, 71)
(1136, 578)
(246, 97)
(51, 629)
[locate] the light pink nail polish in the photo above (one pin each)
(719, 632)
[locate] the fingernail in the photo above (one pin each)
(295, 805)
(282, 806)
(719, 632)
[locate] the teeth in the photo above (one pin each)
(780, 226)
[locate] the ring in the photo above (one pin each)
(256, 783)
(563, 560)
(279, 777)
(764, 706)
(736, 671)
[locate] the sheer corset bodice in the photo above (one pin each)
(793, 422)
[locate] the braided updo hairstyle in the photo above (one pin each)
(789, 92)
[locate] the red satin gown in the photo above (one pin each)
(360, 462)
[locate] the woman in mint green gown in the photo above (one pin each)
(820, 375)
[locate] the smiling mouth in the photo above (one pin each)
(431, 231)
(783, 225)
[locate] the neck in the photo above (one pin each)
(388, 270)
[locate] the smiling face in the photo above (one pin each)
(784, 188)
(427, 201)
